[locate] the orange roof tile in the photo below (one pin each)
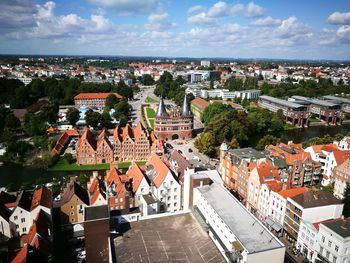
(43, 197)
(83, 96)
(21, 257)
(341, 156)
(160, 168)
(89, 137)
(200, 103)
(72, 132)
(292, 192)
(136, 174)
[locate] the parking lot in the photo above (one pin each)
(177, 238)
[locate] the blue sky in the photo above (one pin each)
(239, 29)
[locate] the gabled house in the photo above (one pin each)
(73, 200)
(140, 183)
(42, 200)
(86, 147)
(5, 224)
(21, 216)
(104, 148)
(164, 185)
(97, 191)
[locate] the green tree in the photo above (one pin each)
(82, 180)
(92, 118)
(111, 100)
(206, 143)
(267, 140)
(72, 116)
(106, 119)
(34, 124)
(146, 79)
(346, 201)
(12, 122)
(49, 112)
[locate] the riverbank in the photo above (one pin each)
(63, 166)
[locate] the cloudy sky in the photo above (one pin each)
(300, 29)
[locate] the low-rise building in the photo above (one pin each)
(311, 206)
(239, 236)
(334, 241)
(341, 177)
(93, 100)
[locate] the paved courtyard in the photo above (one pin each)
(168, 239)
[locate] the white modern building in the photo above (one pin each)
(250, 94)
(239, 235)
(334, 241)
(205, 63)
(341, 177)
(307, 240)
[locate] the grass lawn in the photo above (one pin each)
(287, 127)
(126, 165)
(151, 122)
(314, 120)
(150, 113)
(151, 100)
(63, 165)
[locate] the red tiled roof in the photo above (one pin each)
(43, 197)
(136, 174)
(83, 96)
(200, 103)
(341, 156)
(160, 168)
(21, 257)
(72, 132)
(292, 192)
(89, 137)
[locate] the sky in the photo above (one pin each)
(298, 29)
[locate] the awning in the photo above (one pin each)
(277, 227)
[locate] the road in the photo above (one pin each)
(139, 99)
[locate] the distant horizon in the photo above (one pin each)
(259, 29)
(176, 57)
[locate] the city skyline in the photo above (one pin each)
(237, 29)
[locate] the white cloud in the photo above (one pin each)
(159, 22)
(344, 34)
(339, 18)
(290, 27)
(218, 10)
(129, 7)
(196, 9)
(254, 10)
(267, 22)
(201, 18)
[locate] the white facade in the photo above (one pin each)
(344, 143)
(339, 188)
(143, 189)
(248, 94)
(205, 63)
(332, 246)
(264, 201)
(239, 236)
(5, 228)
(277, 208)
(22, 220)
(168, 193)
(307, 240)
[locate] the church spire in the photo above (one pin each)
(186, 112)
(161, 111)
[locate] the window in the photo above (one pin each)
(23, 220)
(336, 248)
(327, 254)
(330, 243)
(121, 199)
(321, 250)
(323, 239)
(17, 226)
(334, 259)
(15, 217)
(24, 229)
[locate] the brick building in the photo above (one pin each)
(173, 125)
(125, 144)
(93, 100)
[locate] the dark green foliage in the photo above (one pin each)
(111, 101)
(12, 122)
(72, 116)
(92, 118)
(146, 79)
(267, 140)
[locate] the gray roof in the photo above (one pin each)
(161, 111)
(149, 199)
(338, 99)
(339, 226)
(247, 153)
(281, 102)
(316, 101)
(247, 228)
(96, 212)
(315, 199)
(186, 112)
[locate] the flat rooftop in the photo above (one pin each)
(286, 103)
(248, 153)
(96, 212)
(338, 99)
(177, 238)
(246, 227)
(323, 103)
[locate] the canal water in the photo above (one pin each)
(17, 175)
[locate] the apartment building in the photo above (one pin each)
(334, 241)
(311, 206)
(93, 100)
(341, 177)
(294, 113)
(239, 236)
